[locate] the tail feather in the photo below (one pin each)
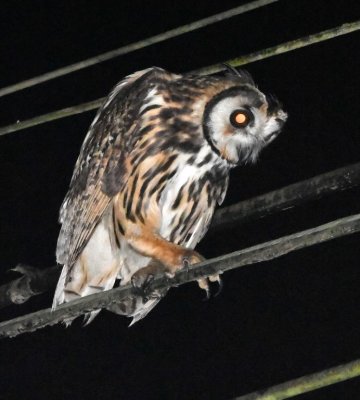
(96, 270)
(135, 307)
(59, 296)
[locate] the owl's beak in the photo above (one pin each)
(280, 120)
(273, 104)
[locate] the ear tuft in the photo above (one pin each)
(244, 75)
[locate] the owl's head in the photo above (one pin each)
(240, 121)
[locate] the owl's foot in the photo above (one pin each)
(141, 282)
(204, 284)
(186, 260)
(141, 279)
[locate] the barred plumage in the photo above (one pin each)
(151, 170)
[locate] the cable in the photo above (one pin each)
(251, 255)
(135, 46)
(247, 59)
(35, 281)
(52, 116)
(307, 383)
(285, 47)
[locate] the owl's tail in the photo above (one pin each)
(96, 270)
(59, 297)
(133, 306)
(137, 307)
(65, 294)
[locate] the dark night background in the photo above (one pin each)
(274, 321)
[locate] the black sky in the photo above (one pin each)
(274, 321)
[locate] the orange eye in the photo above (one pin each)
(240, 118)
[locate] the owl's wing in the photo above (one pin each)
(100, 170)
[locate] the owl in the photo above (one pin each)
(152, 168)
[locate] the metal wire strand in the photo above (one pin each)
(236, 62)
(181, 30)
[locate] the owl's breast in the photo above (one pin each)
(188, 201)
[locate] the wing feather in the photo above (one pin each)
(102, 159)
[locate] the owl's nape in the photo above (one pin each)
(152, 168)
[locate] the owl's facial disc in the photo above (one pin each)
(240, 121)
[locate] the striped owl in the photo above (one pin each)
(152, 168)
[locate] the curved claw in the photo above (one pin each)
(220, 288)
(204, 284)
(208, 294)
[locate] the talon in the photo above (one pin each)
(208, 294)
(204, 284)
(216, 278)
(220, 287)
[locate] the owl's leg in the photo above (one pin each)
(172, 256)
